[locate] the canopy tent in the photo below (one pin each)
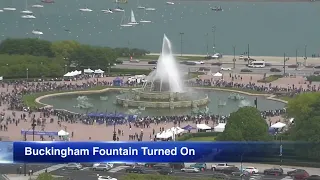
(188, 128)
(203, 127)
(39, 133)
(88, 70)
(169, 133)
(278, 125)
(117, 81)
(220, 127)
(63, 133)
(73, 73)
(98, 71)
(217, 74)
(69, 74)
(1, 78)
(164, 135)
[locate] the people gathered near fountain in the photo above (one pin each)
(12, 92)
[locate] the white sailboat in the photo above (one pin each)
(26, 11)
(144, 21)
(37, 32)
(9, 9)
(139, 6)
(107, 11)
(37, 6)
(150, 9)
(29, 16)
(170, 3)
(118, 9)
(1, 10)
(85, 10)
(133, 19)
(122, 24)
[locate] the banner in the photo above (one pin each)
(134, 152)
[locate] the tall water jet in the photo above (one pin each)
(166, 77)
(163, 87)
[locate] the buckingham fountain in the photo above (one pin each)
(163, 87)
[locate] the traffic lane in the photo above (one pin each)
(13, 168)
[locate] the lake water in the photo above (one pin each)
(102, 104)
(269, 28)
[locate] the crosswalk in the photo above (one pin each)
(118, 168)
(50, 169)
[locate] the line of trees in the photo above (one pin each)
(28, 58)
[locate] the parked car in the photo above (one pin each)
(317, 67)
(293, 66)
(251, 170)
(216, 64)
(74, 166)
(166, 171)
(134, 60)
(161, 165)
(298, 174)
(199, 62)
(246, 70)
(225, 69)
(135, 170)
(106, 178)
(313, 177)
(201, 166)
(97, 164)
(220, 166)
(101, 167)
(119, 61)
(291, 173)
(204, 69)
(229, 170)
(273, 171)
(268, 64)
(275, 70)
(220, 176)
(316, 73)
(190, 169)
(152, 62)
(191, 63)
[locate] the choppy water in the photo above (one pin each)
(269, 28)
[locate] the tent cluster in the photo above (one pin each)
(89, 71)
(276, 128)
(170, 133)
(45, 133)
(86, 71)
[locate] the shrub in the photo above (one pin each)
(270, 78)
(313, 78)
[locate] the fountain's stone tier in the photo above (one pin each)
(126, 102)
(139, 94)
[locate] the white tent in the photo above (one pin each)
(1, 78)
(217, 74)
(278, 125)
(98, 71)
(63, 133)
(203, 127)
(164, 135)
(220, 127)
(69, 74)
(88, 70)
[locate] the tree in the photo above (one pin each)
(45, 176)
(246, 124)
(63, 49)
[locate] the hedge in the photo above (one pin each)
(187, 136)
(313, 78)
(121, 71)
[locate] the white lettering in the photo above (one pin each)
(184, 151)
(159, 152)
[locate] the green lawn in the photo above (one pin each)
(202, 139)
(270, 78)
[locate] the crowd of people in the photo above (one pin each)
(11, 97)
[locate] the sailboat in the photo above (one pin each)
(28, 16)
(1, 10)
(144, 21)
(37, 6)
(9, 9)
(37, 32)
(107, 11)
(170, 3)
(150, 9)
(133, 19)
(122, 19)
(85, 10)
(26, 11)
(139, 6)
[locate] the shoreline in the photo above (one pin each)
(38, 99)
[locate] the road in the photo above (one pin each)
(13, 168)
(192, 68)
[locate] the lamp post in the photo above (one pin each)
(285, 59)
(296, 59)
(33, 125)
(114, 131)
(305, 55)
(181, 34)
(214, 38)
(27, 73)
(234, 57)
(65, 68)
(207, 43)
(280, 153)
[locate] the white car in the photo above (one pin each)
(98, 164)
(251, 170)
(199, 62)
(190, 170)
(225, 69)
(106, 178)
